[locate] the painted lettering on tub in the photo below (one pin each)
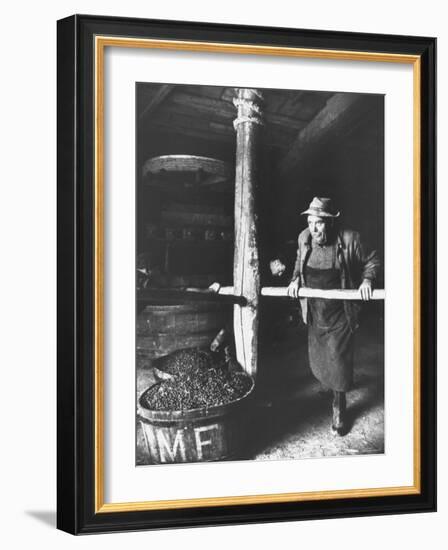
(170, 445)
(200, 442)
(165, 447)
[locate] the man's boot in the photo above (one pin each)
(339, 424)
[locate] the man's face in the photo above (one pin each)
(277, 268)
(318, 229)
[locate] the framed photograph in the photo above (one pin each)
(246, 274)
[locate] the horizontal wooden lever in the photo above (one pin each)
(282, 292)
(333, 294)
(185, 295)
(225, 293)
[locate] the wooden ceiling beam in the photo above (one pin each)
(204, 104)
(157, 99)
(194, 132)
(339, 107)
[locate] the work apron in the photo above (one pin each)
(330, 339)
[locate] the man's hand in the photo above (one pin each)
(293, 288)
(366, 290)
(214, 287)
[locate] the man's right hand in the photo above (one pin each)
(293, 289)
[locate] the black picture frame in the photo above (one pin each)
(77, 511)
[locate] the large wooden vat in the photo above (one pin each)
(164, 328)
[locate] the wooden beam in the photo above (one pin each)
(172, 108)
(284, 121)
(246, 275)
(227, 294)
(201, 104)
(156, 100)
(192, 132)
(191, 104)
(337, 108)
(185, 295)
(282, 292)
(333, 294)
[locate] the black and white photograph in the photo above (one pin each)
(259, 277)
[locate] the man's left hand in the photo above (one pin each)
(366, 290)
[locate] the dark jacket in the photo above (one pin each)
(356, 262)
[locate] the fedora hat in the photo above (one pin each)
(322, 207)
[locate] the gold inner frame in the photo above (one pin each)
(101, 42)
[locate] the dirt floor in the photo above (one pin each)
(289, 418)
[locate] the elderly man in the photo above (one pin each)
(327, 258)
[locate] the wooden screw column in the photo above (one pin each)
(246, 276)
